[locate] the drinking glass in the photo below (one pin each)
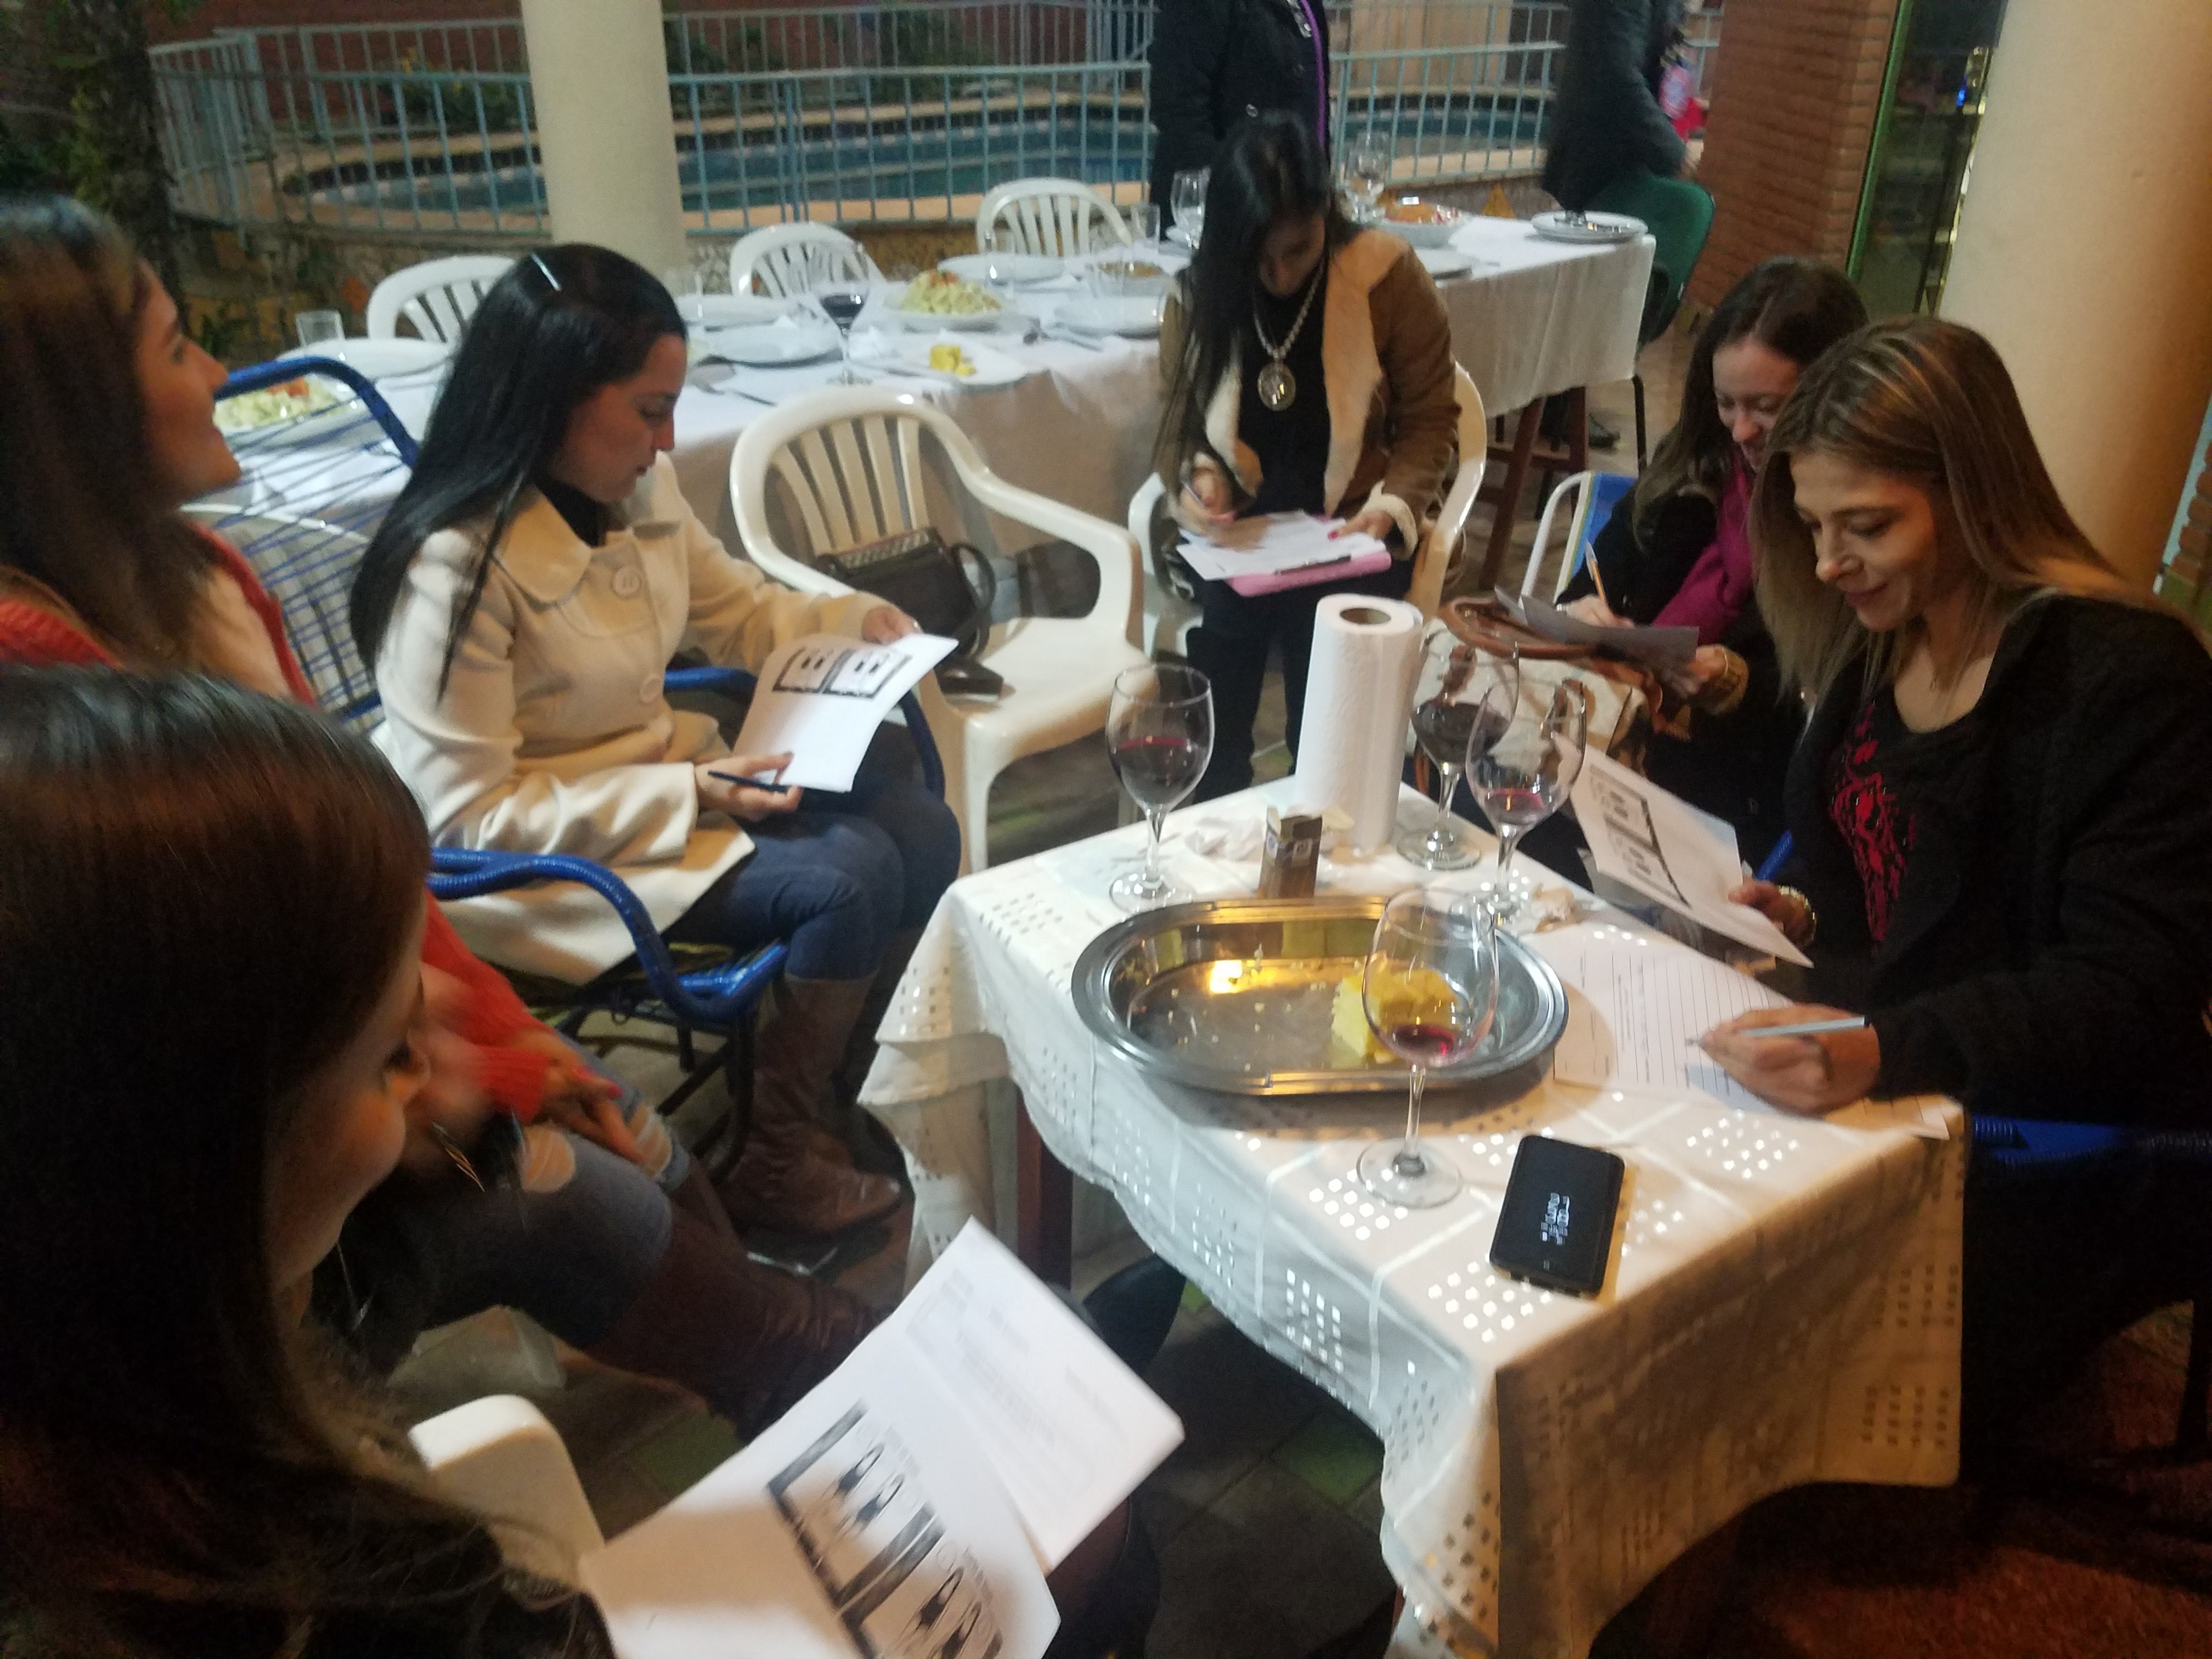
(1159, 735)
(1145, 223)
(1367, 170)
(843, 294)
(1188, 200)
(1467, 700)
(685, 284)
(315, 327)
(1528, 772)
(1431, 993)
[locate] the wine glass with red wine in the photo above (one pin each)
(1431, 992)
(1526, 774)
(842, 292)
(1464, 704)
(1159, 735)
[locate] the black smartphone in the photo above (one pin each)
(1555, 1228)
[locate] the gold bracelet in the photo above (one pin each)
(1805, 909)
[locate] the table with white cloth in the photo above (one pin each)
(1784, 1307)
(1534, 317)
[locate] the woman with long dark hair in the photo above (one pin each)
(1677, 551)
(178, 1472)
(612, 1239)
(2001, 833)
(1308, 368)
(520, 602)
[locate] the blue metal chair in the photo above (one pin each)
(302, 516)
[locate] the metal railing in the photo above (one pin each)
(844, 112)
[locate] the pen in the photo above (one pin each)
(1803, 1028)
(769, 782)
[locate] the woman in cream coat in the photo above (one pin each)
(520, 604)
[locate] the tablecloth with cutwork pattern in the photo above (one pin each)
(1784, 1307)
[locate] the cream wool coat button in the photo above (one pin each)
(628, 581)
(649, 691)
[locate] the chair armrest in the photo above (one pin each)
(1432, 565)
(499, 1457)
(1111, 545)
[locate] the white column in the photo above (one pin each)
(598, 76)
(2084, 246)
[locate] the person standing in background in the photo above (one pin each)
(1606, 119)
(1216, 62)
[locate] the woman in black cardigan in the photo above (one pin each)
(1678, 551)
(2001, 828)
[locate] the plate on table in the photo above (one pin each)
(764, 345)
(967, 362)
(709, 312)
(379, 358)
(951, 302)
(1261, 997)
(1563, 227)
(1443, 262)
(1135, 317)
(1017, 270)
(1425, 224)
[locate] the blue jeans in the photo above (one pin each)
(838, 877)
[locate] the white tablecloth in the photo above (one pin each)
(1785, 1308)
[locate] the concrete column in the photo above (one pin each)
(2083, 248)
(599, 74)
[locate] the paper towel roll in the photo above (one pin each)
(1359, 695)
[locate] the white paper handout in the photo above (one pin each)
(909, 1507)
(1665, 848)
(1656, 647)
(1271, 542)
(822, 697)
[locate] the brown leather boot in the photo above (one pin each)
(694, 1196)
(748, 1339)
(781, 1182)
(866, 1143)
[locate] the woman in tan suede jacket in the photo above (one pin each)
(1308, 368)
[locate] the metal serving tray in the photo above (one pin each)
(1240, 995)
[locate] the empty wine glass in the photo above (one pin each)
(842, 292)
(1367, 170)
(1186, 200)
(1464, 703)
(1431, 993)
(1528, 772)
(1159, 736)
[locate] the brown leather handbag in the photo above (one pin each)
(1621, 697)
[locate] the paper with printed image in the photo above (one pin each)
(1664, 847)
(1270, 544)
(822, 697)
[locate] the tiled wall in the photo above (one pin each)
(1795, 95)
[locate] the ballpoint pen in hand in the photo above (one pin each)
(1802, 1027)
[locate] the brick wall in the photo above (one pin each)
(1794, 95)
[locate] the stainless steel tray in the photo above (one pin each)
(1240, 995)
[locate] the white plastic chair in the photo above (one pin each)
(775, 258)
(1169, 616)
(499, 1457)
(1060, 218)
(438, 296)
(1591, 491)
(849, 462)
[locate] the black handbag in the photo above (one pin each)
(948, 589)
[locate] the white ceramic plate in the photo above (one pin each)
(378, 358)
(1140, 318)
(713, 311)
(1018, 269)
(763, 345)
(1427, 233)
(1445, 261)
(1593, 227)
(993, 367)
(930, 321)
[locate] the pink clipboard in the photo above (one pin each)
(1308, 575)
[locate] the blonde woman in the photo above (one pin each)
(2001, 824)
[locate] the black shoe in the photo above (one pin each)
(1601, 436)
(1132, 1310)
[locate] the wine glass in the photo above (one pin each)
(1186, 199)
(1467, 700)
(1528, 772)
(1367, 168)
(1431, 993)
(843, 294)
(1159, 735)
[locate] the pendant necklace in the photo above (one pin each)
(1279, 387)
